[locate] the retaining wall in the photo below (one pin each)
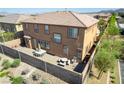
(62, 73)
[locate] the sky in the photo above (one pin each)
(42, 10)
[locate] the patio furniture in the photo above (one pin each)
(68, 62)
(39, 52)
(63, 61)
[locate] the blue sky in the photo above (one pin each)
(42, 10)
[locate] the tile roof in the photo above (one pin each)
(13, 18)
(65, 18)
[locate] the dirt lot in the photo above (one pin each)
(94, 80)
(30, 73)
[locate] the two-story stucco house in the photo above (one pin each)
(63, 33)
(12, 22)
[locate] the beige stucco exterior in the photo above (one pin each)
(90, 35)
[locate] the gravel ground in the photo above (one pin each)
(31, 73)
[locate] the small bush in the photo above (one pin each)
(4, 73)
(112, 77)
(15, 63)
(8, 36)
(17, 80)
(44, 82)
(0, 57)
(112, 81)
(104, 71)
(112, 71)
(6, 64)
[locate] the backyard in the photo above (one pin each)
(7, 36)
(24, 74)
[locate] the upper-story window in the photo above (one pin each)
(72, 32)
(57, 38)
(46, 29)
(36, 28)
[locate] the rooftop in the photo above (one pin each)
(13, 18)
(121, 25)
(65, 18)
(99, 14)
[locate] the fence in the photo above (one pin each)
(62, 73)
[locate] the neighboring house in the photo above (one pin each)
(105, 16)
(65, 34)
(12, 23)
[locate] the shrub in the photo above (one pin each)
(112, 81)
(15, 63)
(0, 57)
(6, 64)
(112, 71)
(112, 77)
(44, 82)
(8, 36)
(17, 80)
(4, 73)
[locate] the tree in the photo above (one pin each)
(103, 61)
(112, 28)
(102, 25)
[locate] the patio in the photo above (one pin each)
(46, 58)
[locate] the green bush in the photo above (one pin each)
(44, 82)
(4, 73)
(112, 71)
(15, 63)
(112, 81)
(7, 36)
(6, 64)
(17, 80)
(0, 57)
(112, 29)
(112, 77)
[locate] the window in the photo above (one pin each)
(65, 50)
(36, 28)
(44, 44)
(79, 54)
(46, 29)
(72, 32)
(26, 26)
(57, 38)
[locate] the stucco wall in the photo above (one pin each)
(89, 38)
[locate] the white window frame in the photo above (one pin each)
(72, 35)
(54, 37)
